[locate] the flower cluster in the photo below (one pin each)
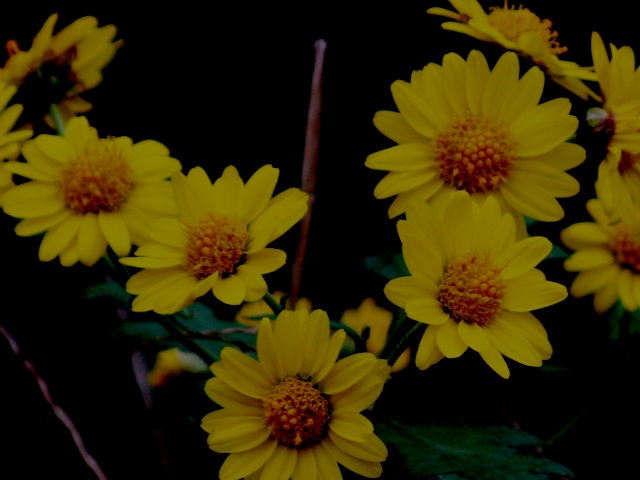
(478, 158)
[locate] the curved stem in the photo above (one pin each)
(273, 303)
(401, 346)
(172, 326)
(359, 342)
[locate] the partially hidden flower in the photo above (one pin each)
(218, 242)
(89, 193)
(10, 141)
(295, 412)
(606, 255)
(58, 67)
(462, 126)
(172, 363)
(251, 313)
(377, 320)
(473, 284)
(520, 30)
(619, 117)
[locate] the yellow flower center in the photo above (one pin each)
(627, 161)
(215, 244)
(472, 289)
(97, 180)
(474, 154)
(512, 23)
(626, 248)
(297, 413)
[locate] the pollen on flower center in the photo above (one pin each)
(627, 161)
(97, 180)
(512, 23)
(472, 289)
(297, 413)
(626, 248)
(474, 154)
(215, 244)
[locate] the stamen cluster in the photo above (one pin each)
(297, 413)
(474, 154)
(512, 23)
(626, 248)
(472, 289)
(215, 244)
(98, 180)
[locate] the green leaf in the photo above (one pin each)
(199, 317)
(109, 289)
(390, 265)
(471, 453)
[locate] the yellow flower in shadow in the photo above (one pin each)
(520, 30)
(378, 320)
(58, 67)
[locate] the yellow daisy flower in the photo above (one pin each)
(295, 412)
(59, 67)
(473, 284)
(520, 30)
(10, 142)
(88, 193)
(620, 87)
(607, 257)
(218, 242)
(378, 319)
(260, 308)
(464, 127)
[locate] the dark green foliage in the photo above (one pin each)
(469, 453)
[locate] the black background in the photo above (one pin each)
(229, 84)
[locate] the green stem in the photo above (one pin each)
(273, 303)
(58, 123)
(402, 344)
(567, 427)
(172, 326)
(357, 339)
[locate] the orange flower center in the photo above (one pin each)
(97, 180)
(474, 154)
(215, 244)
(626, 248)
(472, 289)
(297, 413)
(512, 23)
(627, 161)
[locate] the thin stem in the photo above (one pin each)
(57, 409)
(560, 433)
(359, 342)
(401, 346)
(172, 326)
(273, 303)
(56, 118)
(309, 166)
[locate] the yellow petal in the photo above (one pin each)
(428, 352)
(230, 290)
(351, 425)
(494, 359)
(394, 126)
(449, 341)
(239, 465)
(347, 372)
(116, 232)
(473, 335)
